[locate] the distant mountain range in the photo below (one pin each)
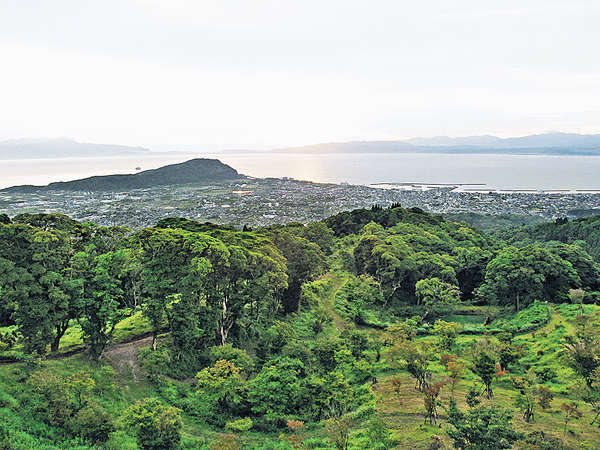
(194, 171)
(539, 144)
(61, 148)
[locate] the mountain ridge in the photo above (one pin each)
(536, 144)
(62, 148)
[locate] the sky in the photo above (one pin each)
(260, 73)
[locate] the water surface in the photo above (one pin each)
(496, 171)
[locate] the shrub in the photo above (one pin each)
(155, 363)
(239, 425)
(157, 426)
(234, 355)
(92, 422)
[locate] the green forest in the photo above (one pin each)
(376, 328)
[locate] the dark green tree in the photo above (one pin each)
(482, 428)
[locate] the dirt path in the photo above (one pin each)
(329, 301)
(124, 357)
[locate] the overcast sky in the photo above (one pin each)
(252, 73)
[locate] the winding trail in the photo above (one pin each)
(328, 302)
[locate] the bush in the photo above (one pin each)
(239, 425)
(544, 374)
(155, 363)
(237, 356)
(92, 422)
(157, 426)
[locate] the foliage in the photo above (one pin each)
(446, 332)
(482, 428)
(274, 344)
(157, 426)
(484, 366)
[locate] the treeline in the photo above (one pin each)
(584, 232)
(209, 284)
(408, 257)
(205, 284)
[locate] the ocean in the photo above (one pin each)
(494, 171)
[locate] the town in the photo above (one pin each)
(258, 202)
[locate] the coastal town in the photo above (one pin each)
(258, 202)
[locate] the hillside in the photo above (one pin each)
(198, 170)
(61, 148)
(378, 328)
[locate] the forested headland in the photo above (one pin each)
(375, 328)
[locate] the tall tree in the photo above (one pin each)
(36, 264)
(100, 294)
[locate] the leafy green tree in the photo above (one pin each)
(155, 363)
(525, 400)
(582, 352)
(434, 265)
(484, 366)
(517, 276)
(472, 397)
(414, 358)
(274, 339)
(34, 265)
(92, 422)
(328, 395)
(320, 234)
(394, 269)
(157, 426)
(164, 263)
(585, 266)
(378, 433)
(482, 428)
(277, 389)
(446, 333)
(53, 397)
(434, 294)
(304, 260)
(509, 353)
(219, 388)
(237, 356)
(80, 384)
(99, 295)
(470, 268)
(49, 222)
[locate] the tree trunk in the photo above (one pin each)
(154, 336)
(55, 344)
(223, 327)
(60, 332)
